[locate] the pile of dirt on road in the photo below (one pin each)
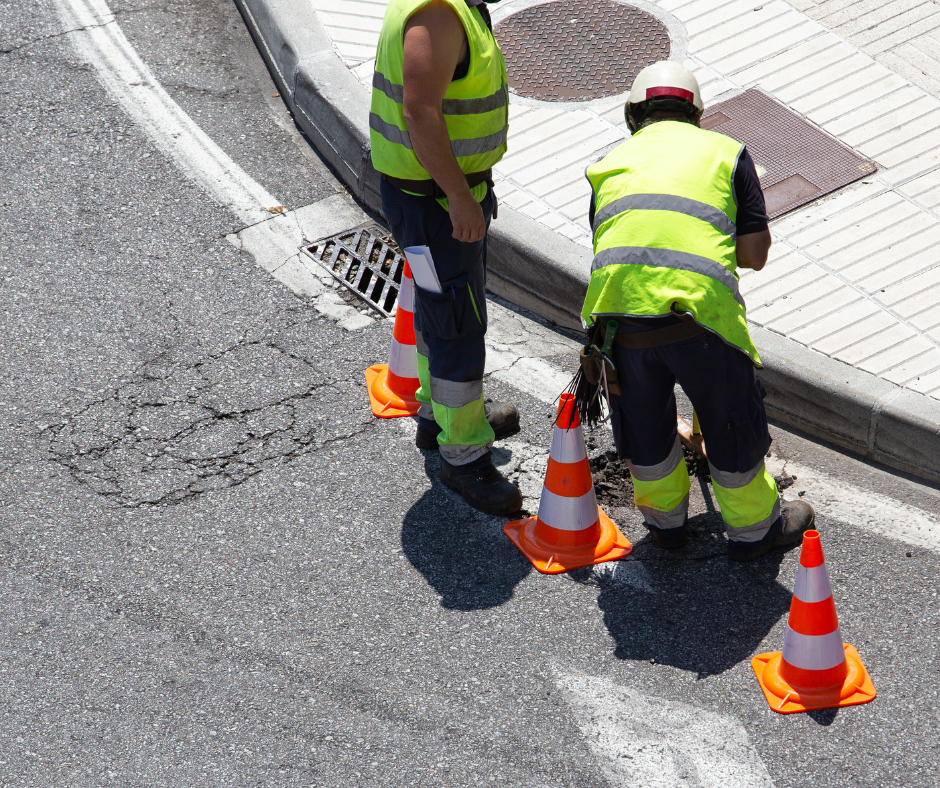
(612, 482)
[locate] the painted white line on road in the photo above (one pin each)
(862, 508)
(273, 240)
(642, 741)
(101, 42)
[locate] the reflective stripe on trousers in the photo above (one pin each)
(458, 409)
(661, 491)
(749, 501)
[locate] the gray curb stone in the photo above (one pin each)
(535, 267)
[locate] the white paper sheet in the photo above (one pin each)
(422, 268)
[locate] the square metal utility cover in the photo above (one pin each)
(366, 260)
(796, 161)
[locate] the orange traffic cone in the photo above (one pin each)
(815, 670)
(571, 530)
(392, 386)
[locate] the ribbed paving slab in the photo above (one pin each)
(797, 161)
(579, 50)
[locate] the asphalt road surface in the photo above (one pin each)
(217, 568)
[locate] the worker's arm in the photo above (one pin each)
(435, 43)
(753, 249)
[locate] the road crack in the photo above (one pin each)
(173, 432)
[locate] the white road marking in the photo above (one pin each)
(862, 508)
(642, 741)
(100, 40)
(272, 240)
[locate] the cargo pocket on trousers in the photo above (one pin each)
(749, 422)
(456, 313)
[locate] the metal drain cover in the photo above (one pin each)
(797, 162)
(579, 50)
(366, 260)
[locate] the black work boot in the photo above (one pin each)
(670, 538)
(485, 489)
(796, 517)
(502, 416)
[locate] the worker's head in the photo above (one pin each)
(663, 91)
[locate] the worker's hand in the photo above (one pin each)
(467, 217)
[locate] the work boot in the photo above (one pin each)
(796, 517)
(670, 538)
(485, 489)
(502, 416)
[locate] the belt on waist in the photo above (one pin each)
(642, 340)
(429, 188)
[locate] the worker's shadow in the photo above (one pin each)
(691, 608)
(462, 553)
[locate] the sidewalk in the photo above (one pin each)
(853, 275)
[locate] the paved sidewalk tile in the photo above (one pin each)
(853, 275)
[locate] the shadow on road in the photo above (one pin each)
(691, 608)
(462, 553)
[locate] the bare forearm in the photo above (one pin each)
(431, 142)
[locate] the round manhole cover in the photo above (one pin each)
(579, 50)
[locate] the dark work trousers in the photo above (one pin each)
(728, 399)
(449, 327)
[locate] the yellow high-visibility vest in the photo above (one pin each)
(664, 231)
(476, 107)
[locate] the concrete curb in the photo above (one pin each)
(537, 268)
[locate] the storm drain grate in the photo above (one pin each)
(796, 161)
(366, 260)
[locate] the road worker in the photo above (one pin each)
(438, 121)
(675, 210)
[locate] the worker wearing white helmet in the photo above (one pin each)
(675, 210)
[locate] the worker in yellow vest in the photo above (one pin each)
(675, 210)
(438, 124)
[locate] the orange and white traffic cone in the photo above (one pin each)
(815, 670)
(392, 386)
(571, 530)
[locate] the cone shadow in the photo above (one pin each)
(462, 553)
(691, 608)
(824, 717)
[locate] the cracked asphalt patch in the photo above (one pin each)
(179, 430)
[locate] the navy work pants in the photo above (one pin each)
(449, 327)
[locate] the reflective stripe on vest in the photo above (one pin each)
(472, 106)
(666, 202)
(668, 258)
(475, 108)
(460, 148)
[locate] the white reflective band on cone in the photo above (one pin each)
(406, 294)
(812, 585)
(568, 445)
(568, 514)
(403, 360)
(813, 652)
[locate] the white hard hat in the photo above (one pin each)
(666, 79)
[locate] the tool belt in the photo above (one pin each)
(429, 188)
(640, 340)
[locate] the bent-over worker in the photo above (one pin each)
(675, 210)
(439, 118)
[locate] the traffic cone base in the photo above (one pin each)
(387, 403)
(786, 698)
(546, 547)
